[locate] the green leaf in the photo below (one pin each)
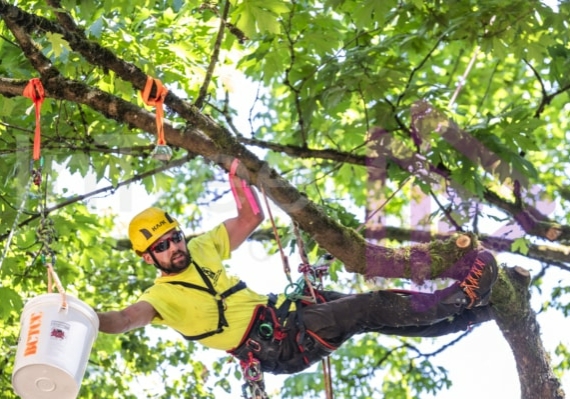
(520, 245)
(7, 108)
(58, 44)
(11, 302)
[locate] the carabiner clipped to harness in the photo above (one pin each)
(294, 291)
(254, 379)
(265, 330)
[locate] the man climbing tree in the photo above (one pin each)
(196, 297)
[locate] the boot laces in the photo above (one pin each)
(471, 283)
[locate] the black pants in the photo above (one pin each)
(316, 330)
(389, 312)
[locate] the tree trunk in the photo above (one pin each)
(519, 326)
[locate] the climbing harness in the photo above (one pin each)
(162, 151)
(269, 332)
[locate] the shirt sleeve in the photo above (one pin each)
(220, 239)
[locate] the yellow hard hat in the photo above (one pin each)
(148, 226)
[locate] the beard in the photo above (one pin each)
(179, 261)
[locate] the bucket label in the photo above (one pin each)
(33, 337)
(59, 330)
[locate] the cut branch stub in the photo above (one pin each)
(463, 241)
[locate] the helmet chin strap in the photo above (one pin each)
(165, 270)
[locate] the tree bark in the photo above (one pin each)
(518, 324)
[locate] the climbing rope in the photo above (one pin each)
(294, 291)
(45, 231)
(312, 274)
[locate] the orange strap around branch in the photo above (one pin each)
(35, 90)
(158, 101)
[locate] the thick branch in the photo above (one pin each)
(558, 256)
(519, 326)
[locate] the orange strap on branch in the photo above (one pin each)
(158, 101)
(35, 91)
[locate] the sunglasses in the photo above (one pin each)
(165, 244)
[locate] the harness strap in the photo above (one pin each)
(219, 298)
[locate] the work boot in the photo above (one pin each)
(475, 289)
(477, 285)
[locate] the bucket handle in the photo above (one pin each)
(53, 278)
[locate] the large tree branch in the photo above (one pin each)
(558, 256)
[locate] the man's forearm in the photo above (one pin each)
(113, 322)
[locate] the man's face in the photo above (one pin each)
(170, 252)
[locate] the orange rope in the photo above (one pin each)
(35, 91)
(158, 101)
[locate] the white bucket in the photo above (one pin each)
(54, 347)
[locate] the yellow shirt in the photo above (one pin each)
(193, 312)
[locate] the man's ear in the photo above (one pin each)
(147, 258)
